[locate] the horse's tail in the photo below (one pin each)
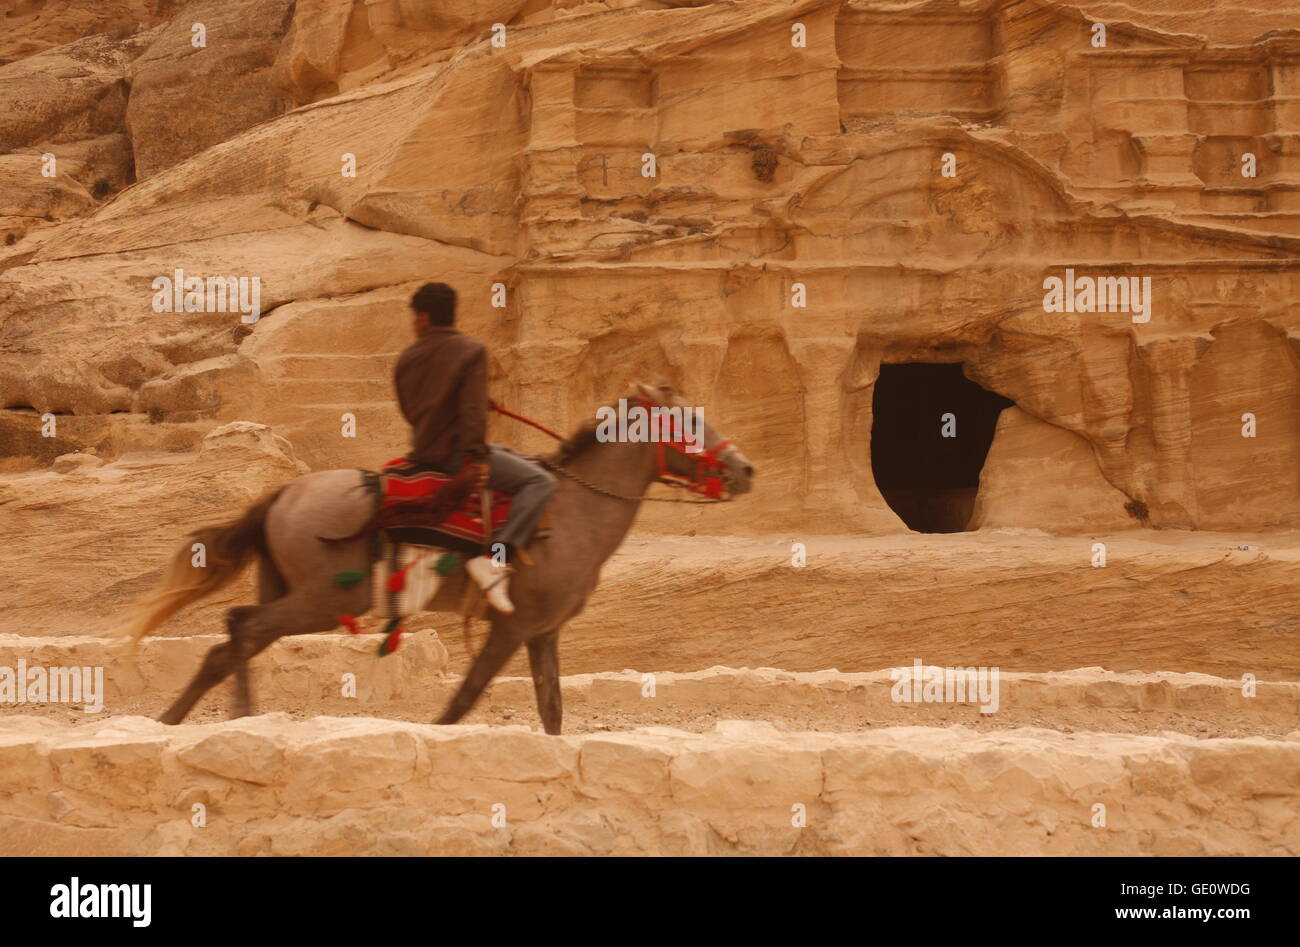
(227, 550)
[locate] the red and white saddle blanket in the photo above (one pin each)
(413, 513)
(408, 501)
(417, 507)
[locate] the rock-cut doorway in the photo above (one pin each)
(931, 431)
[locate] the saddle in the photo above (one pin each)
(419, 506)
(426, 507)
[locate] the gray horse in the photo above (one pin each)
(600, 487)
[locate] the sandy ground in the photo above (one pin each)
(1120, 684)
(1013, 599)
(1020, 600)
(594, 718)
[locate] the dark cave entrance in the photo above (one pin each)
(927, 478)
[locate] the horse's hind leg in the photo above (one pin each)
(544, 660)
(247, 645)
(219, 662)
(270, 584)
(251, 628)
(501, 645)
(270, 588)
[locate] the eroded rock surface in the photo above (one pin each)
(822, 165)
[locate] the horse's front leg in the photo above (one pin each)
(544, 661)
(501, 645)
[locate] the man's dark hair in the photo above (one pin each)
(437, 301)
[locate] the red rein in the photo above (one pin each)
(707, 478)
(510, 414)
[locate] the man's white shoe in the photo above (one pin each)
(493, 580)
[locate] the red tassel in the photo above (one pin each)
(350, 623)
(391, 644)
(397, 581)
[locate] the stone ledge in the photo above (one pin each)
(270, 785)
(310, 667)
(300, 668)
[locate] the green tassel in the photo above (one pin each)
(449, 563)
(388, 633)
(345, 580)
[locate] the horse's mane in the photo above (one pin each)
(573, 445)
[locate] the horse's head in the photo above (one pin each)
(689, 450)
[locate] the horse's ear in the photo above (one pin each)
(659, 393)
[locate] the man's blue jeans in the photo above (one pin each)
(530, 485)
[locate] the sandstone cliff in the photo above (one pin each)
(484, 157)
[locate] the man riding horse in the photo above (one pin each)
(441, 381)
(307, 536)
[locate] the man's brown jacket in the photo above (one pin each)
(441, 383)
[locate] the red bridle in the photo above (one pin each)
(707, 476)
